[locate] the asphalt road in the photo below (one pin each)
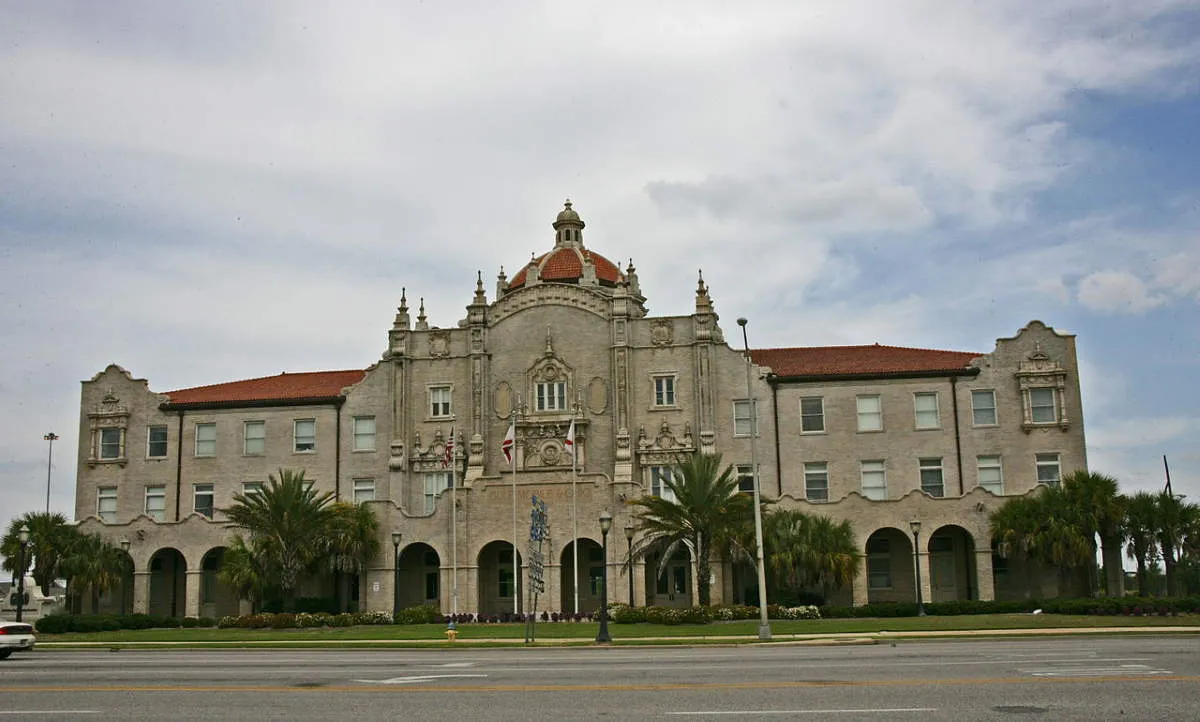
(1095, 678)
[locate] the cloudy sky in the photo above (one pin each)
(213, 191)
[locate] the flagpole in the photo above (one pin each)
(516, 587)
(574, 520)
(453, 534)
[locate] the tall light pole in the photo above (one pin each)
(51, 437)
(395, 574)
(764, 626)
(629, 553)
(605, 524)
(124, 589)
(915, 527)
(22, 545)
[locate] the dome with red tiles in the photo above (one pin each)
(567, 261)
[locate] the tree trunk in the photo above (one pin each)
(703, 572)
(289, 600)
(1114, 571)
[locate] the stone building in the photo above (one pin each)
(879, 435)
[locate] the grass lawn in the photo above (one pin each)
(566, 632)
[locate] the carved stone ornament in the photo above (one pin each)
(503, 401)
(665, 447)
(662, 332)
(439, 344)
(597, 395)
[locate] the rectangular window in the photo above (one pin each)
(926, 406)
(879, 563)
(254, 437)
(1049, 470)
(874, 479)
(870, 413)
(745, 478)
(504, 579)
(202, 499)
(744, 418)
(1042, 407)
(156, 502)
(206, 439)
(991, 473)
(305, 435)
(364, 433)
(664, 390)
(364, 490)
(435, 483)
(932, 482)
(110, 443)
(106, 504)
(983, 408)
(156, 442)
(552, 396)
(816, 481)
(431, 586)
(251, 487)
(812, 415)
(439, 401)
(658, 482)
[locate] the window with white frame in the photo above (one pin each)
(1049, 469)
(991, 473)
(879, 563)
(926, 406)
(816, 481)
(364, 490)
(439, 401)
(251, 487)
(304, 435)
(664, 390)
(206, 439)
(874, 479)
(106, 504)
(658, 482)
(436, 482)
(745, 478)
(254, 438)
(551, 396)
(156, 442)
(1043, 408)
(812, 415)
(744, 418)
(111, 441)
(364, 433)
(202, 499)
(983, 408)
(932, 481)
(870, 413)
(156, 502)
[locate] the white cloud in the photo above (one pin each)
(1118, 291)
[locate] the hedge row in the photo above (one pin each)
(1105, 606)
(62, 623)
(303, 620)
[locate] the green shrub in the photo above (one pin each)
(423, 614)
(283, 620)
(625, 614)
(342, 620)
(53, 624)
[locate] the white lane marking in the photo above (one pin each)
(457, 664)
(416, 678)
(1121, 670)
(758, 712)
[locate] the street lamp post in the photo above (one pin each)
(605, 524)
(22, 545)
(764, 627)
(395, 573)
(915, 526)
(124, 589)
(629, 553)
(51, 437)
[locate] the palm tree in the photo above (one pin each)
(1046, 528)
(1099, 511)
(50, 536)
(287, 524)
(92, 566)
(242, 572)
(806, 551)
(1176, 520)
(1141, 524)
(706, 515)
(353, 542)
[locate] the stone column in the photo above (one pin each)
(924, 581)
(141, 592)
(984, 581)
(191, 596)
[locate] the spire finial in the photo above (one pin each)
(549, 342)
(403, 300)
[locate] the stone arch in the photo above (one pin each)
(168, 582)
(952, 571)
(420, 576)
(217, 598)
(890, 572)
(497, 581)
(591, 570)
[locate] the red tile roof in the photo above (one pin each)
(284, 387)
(859, 360)
(564, 264)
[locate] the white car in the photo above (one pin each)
(15, 637)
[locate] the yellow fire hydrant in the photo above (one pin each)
(451, 633)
